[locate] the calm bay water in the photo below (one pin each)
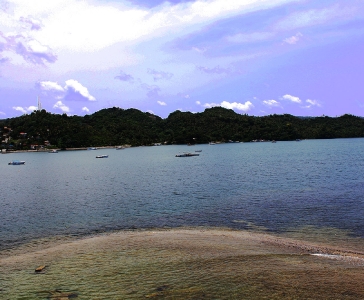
(279, 187)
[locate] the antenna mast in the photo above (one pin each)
(39, 104)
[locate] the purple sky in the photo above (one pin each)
(259, 57)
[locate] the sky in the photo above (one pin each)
(257, 57)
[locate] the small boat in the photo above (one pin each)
(120, 148)
(212, 143)
(102, 156)
(17, 162)
(198, 150)
(187, 154)
(53, 151)
(274, 141)
(91, 148)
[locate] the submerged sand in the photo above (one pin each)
(196, 263)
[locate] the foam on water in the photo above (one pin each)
(358, 261)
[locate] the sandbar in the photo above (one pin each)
(185, 263)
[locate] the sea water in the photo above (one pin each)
(278, 187)
(310, 190)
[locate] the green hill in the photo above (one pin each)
(116, 126)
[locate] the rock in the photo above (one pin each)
(40, 269)
(162, 287)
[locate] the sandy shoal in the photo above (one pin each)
(193, 242)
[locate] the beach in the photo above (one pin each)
(184, 263)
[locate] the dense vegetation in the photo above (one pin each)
(116, 126)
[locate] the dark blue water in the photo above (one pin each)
(278, 186)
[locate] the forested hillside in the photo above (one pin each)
(116, 126)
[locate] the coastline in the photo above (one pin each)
(59, 149)
(166, 263)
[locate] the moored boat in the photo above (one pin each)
(102, 156)
(17, 162)
(53, 151)
(187, 154)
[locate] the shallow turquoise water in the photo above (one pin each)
(278, 187)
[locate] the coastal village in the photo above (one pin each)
(7, 146)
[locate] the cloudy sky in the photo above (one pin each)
(259, 57)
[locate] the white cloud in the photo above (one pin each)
(209, 105)
(239, 106)
(25, 110)
(161, 103)
(23, 45)
(271, 103)
(312, 103)
(89, 25)
(293, 39)
(73, 90)
(198, 102)
(61, 106)
(21, 109)
(85, 109)
(291, 98)
(52, 89)
(76, 91)
(2, 113)
(231, 105)
(50, 86)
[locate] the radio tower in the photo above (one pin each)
(39, 104)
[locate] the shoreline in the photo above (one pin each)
(67, 149)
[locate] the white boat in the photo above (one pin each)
(212, 143)
(120, 148)
(91, 148)
(17, 162)
(102, 156)
(53, 151)
(187, 154)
